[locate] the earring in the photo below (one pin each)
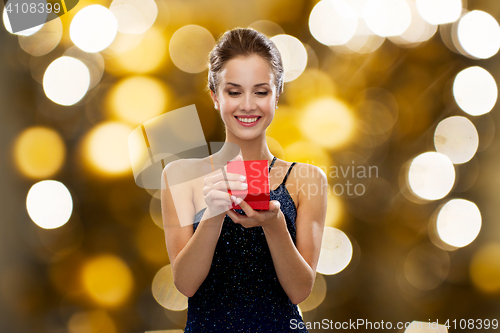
(215, 107)
(276, 106)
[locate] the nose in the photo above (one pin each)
(248, 103)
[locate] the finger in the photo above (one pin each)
(235, 217)
(219, 176)
(233, 186)
(245, 207)
(276, 206)
(218, 195)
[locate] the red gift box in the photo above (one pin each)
(257, 173)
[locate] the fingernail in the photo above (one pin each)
(243, 177)
(233, 198)
(239, 200)
(244, 185)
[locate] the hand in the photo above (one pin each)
(253, 218)
(215, 190)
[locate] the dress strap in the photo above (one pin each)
(212, 163)
(288, 172)
(272, 163)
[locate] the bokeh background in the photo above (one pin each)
(394, 100)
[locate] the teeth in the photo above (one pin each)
(247, 120)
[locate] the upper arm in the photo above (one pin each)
(311, 213)
(177, 210)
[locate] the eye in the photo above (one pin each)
(262, 93)
(232, 93)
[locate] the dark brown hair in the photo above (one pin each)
(244, 42)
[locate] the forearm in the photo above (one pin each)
(193, 263)
(294, 273)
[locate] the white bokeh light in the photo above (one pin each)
(459, 222)
(66, 80)
(8, 26)
(439, 11)
(419, 30)
(49, 204)
(475, 90)
(431, 175)
(293, 54)
(336, 252)
(457, 138)
(93, 28)
(166, 293)
(134, 16)
(332, 22)
(387, 17)
(479, 34)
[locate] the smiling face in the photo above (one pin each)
(246, 91)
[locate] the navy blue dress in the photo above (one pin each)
(241, 292)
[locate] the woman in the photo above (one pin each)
(245, 270)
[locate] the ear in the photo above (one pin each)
(214, 97)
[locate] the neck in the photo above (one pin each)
(250, 150)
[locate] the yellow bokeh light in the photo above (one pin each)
(336, 252)
(93, 28)
(426, 266)
(327, 122)
(44, 40)
(485, 268)
(268, 28)
(189, 48)
(66, 80)
(475, 90)
(39, 152)
(49, 204)
(107, 280)
(138, 99)
(284, 128)
(150, 241)
(361, 44)
(308, 152)
(155, 211)
(106, 148)
(145, 57)
(333, 22)
(431, 176)
(334, 211)
(165, 292)
(317, 295)
(311, 85)
(97, 321)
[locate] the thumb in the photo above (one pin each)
(237, 158)
(276, 205)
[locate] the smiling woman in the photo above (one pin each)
(244, 270)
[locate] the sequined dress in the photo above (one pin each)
(241, 292)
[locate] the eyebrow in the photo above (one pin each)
(257, 85)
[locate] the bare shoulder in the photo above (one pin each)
(182, 170)
(308, 173)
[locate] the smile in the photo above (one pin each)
(248, 121)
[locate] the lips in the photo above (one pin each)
(247, 124)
